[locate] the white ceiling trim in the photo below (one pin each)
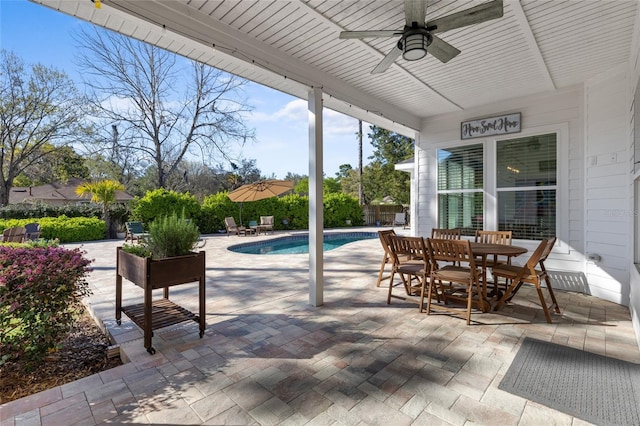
(237, 44)
(523, 22)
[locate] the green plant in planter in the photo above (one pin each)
(169, 236)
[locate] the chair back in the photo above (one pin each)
(403, 249)
(494, 237)
(32, 231)
(446, 234)
(266, 220)
(15, 234)
(230, 222)
(448, 250)
(533, 261)
(134, 227)
(547, 250)
(383, 235)
(399, 219)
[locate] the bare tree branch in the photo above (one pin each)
(167, 117)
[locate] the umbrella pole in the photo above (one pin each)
(240, 214)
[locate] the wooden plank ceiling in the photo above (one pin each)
(537, 46)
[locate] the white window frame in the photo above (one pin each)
(490, 178)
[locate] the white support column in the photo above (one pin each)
(316, 215)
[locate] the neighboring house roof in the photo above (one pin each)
(56, 192)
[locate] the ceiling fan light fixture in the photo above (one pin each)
(415, 46)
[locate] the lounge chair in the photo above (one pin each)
(32, 231)
(232, 227)
(135, 231)
(13, 235)
(266, 224)
(400, 220)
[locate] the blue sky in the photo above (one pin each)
(38, 34)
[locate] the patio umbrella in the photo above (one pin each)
(259, 191)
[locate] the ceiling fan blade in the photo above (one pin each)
(442, 50)
(474, 15)
(387, 61)
(366, 34)
(415, 11)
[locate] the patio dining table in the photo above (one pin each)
(485, 250)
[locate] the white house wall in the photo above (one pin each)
(607, 194)
(634, 203)
(587, 192)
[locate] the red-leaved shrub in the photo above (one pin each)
(41, 291)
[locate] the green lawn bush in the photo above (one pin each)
(65, 229)
(41, 291)
(215, 208)
(162, 202)
(340, 208)
(290, 209)
(295, 212)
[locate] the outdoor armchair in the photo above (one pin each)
(451, 282)
(32, 231)
(135, 232)
(15, 234)
(387, 258)
(528, 274)
(446, 234)
(400, 219)
(494, 237)
(233, 228)
(410, 261)
(266, 223)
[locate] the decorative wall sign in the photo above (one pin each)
(509, 123)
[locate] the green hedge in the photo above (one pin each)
(290, 211)
(65, 229)
(161, 202)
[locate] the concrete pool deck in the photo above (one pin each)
(268, 357)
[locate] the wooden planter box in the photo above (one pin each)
(149, 275)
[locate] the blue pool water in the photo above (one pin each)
(299, 244)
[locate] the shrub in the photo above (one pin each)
(41, 290)
(161, 202)
(295, 211)
(65, 229)
(39, 210)
(171, 236)
(293, 208)
(215, 208)
(340, 207)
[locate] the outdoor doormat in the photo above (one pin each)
(595, 388)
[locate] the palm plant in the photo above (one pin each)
(102, 192)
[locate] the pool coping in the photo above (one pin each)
(294, 237)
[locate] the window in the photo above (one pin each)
(460, 188)
(523, 198)
(526, 183)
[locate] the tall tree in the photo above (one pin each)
(390, 147)
(380, 177)
(38, 106)
(160, 117)
(55, 164)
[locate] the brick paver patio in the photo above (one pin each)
(269, 358)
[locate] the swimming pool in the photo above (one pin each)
(299, 244)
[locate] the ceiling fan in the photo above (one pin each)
(418, 37)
